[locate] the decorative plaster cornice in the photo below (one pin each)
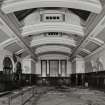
(9, 6)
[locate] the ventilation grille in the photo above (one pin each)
(53, 34)
(83, 54)
(52, 17)
(92, 46)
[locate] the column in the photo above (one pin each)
(76, 79)
(82, 80)
(48, 72)
(59, 72)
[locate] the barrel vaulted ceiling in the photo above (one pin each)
(70, 27)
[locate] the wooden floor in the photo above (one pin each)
(71, 96)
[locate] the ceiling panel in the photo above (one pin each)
(77, 38)
(51, 48)
(53, 40)
(14, 47)
(91, 46)
(83, 54)
(101, 36)
(24, 54)
(23, 13)
(81, 13)
(3, 36)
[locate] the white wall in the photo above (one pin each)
(38, 68)
(3, 53)
(33, 18)
(78, 65)
(69, 68)
(28, 65)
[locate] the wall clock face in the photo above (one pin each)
(7, 63)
